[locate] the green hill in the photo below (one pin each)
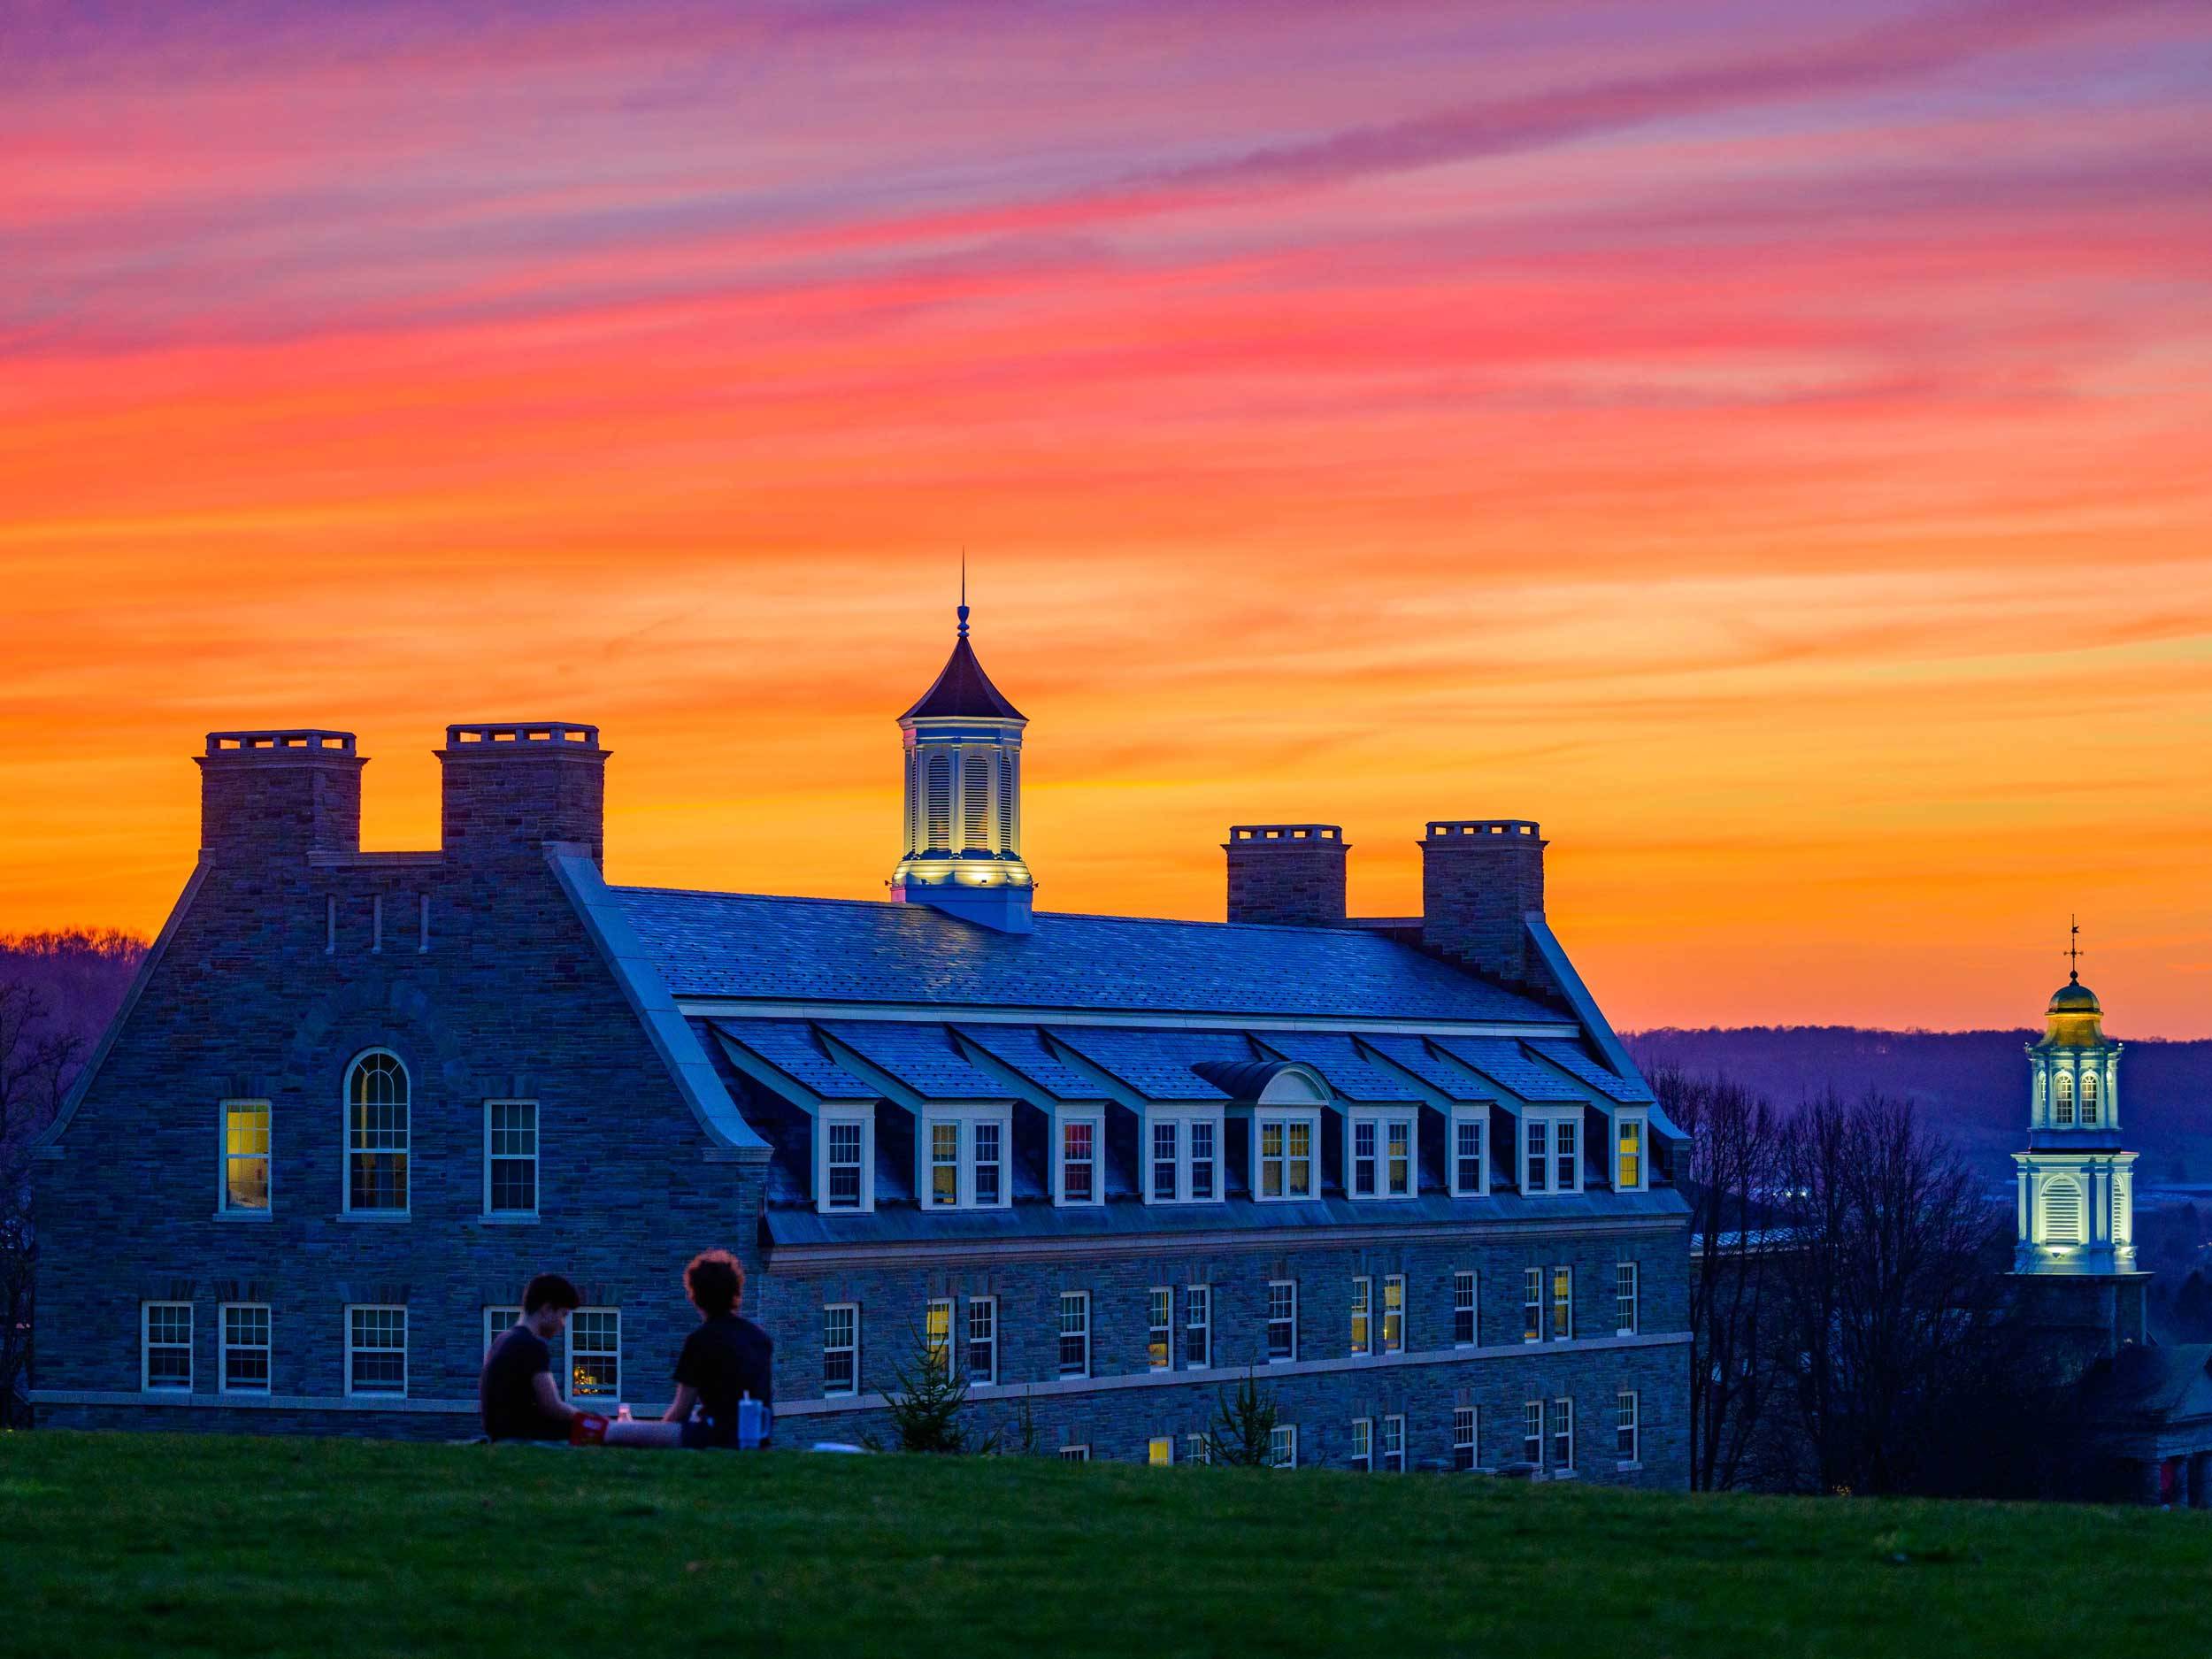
(175, 1544)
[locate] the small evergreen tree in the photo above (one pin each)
(1028, 1442)
(1243, 1432)
(925, 1407)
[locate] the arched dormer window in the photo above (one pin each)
(940, 824)
(377, 1114)
(2064, 1091)
(2089, 1100)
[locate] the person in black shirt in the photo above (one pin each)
(725, 1359)
(516, 1391)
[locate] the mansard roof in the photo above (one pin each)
(962, 689)
(770, 949)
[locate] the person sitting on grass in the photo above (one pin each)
(725, 1359)
(516, 1391)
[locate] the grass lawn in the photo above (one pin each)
(144, 1544)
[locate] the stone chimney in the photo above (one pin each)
(1481, 881)
(278, 795)
(1288, 873)
(513, 786)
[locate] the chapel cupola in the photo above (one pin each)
(2076, 1183)
(962, 825)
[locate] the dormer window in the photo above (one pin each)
(1471, 1176)
(1286, 1160)
(1382, 1155)
(1076, 1168)
(1551, 1152)
(1629, 1132)
(963, 1158)
(1182, 1155)
(845, 1159)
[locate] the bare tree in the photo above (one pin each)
(37, 1064)
(1735, 1161)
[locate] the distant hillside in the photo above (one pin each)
(1971, 1083)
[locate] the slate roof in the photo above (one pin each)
(1454, 1082)
(1568, 1057)
(788, 1045)
(962, 687)
(923, 1057)
(863, 951)
(1504, 1060)
(2148, 1379)
(1022, 1049)
(1348, 1072)
(1157, 1064)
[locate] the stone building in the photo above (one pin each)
(1402, 1171)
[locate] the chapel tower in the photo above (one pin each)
(2076, 1201)
(963, 824)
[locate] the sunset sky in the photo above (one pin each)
(1769, 444)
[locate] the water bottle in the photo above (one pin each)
(750, 1425)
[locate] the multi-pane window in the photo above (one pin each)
(1197, 1449)
(1363, 1159)
(944, 1162)
(1562, 1303)
(246, 1155)
(1532, 1433)
(1079, 1161)
(1566, 1158)
(1382, 1159)
(1363, 1443)
(1282, 1318)
(1165, 1162)
(1201, 1158)
(840, 1348)
(1467, 1155)
(166, 1350)
(1181, 1160)
(376, 1134)
(966, 1161)
(497, 1323)
(990, 1167)
(1466, 1428)
(1465, 1324)
(2089, 1100)
(1282, 1446)
(1624, 1433)
(1198, 1336)
(1398, 1159)
(1285, 1157)
(1159, 1342)
(2063, 1098)
(1075, 1454)
(1159, 1451)
(1536, 1133)
(1393, 1445)
(841, 1187)
(245, 1348)
(376, 1350)
(1394, 1313)
(1533, 1305)
(1362, 1315)
(1075, 1333)
(937, 1333)
(1552, 1156)
(511, 1157)
(1563, 1434)
(983, 1338)
(594, 1354)
(1624, 1298)
(1628, 1154)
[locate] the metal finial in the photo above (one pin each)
(963, 591)
(2073, 949)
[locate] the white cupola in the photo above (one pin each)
(2076, 1198)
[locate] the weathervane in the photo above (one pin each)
(2073, 937)
(964, 590)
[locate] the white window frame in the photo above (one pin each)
(498, 1321)
(1628, 1427)
(1477, 1119)
(225, 1347)
(1198, 1320)
(225, 1157)
(1553, 1304)
(348, 1152)
(937, 1314)
(1077, 1452)
(1159, 1451)
(1363, 1312)
(1534, 1443)
(1563, 1428)
(1550, 1122)
(491, 1110)
(1393, 1444)
(826, 1118)
(1393, 1326)
(1282, 1446)
(851, 1349)
(1381, 1123)
(1470, 1281)
(352, 1392)
(1363, 1454)
(1159, 1335)
(1532, 1287)
(1272, 1117)
(1274, 1284)
(147, 1345)
(1094, 1125)
(1466, 1438)
(966, 1119)
(569, 1390)
(986, 1376)
(1638, 1121)
(1627, 1299)
(1196, 1450)
(1079, 1302)
(1182, 1118)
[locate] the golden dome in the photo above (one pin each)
(2075, 1018)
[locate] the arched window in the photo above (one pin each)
(2089, 1099)
(376, 1134)
(1006, 803)
(2065, 1096)
(940, 826)
(975, 802)
(2061, 1210)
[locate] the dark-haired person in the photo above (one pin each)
(516, 1391)
(725, 1359)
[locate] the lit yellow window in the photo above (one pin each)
(1631, 1159)
(1161, 1452)
(937, 1333)
(246, 1155)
